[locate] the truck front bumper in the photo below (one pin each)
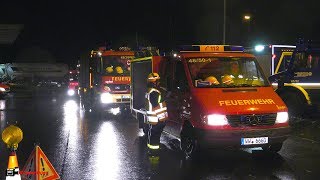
(107, 98)
(232, 138)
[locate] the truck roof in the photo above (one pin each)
(220, 54)
(117, 53)
(213, 50)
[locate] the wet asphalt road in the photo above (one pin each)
(112, 147)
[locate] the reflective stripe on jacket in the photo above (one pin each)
(158, 113)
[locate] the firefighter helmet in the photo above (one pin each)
(227, 79)
(153, 77)
(212, 80)
(119, 70)
(109, 69)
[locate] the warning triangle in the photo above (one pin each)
(38, 167)
(29, 167)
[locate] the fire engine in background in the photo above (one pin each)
(105, 79)
(73, 83)
(4, 90)
(210, 105)
(295, 74)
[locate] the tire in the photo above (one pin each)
(92, 108)
(125, 111)
(189, 144)
(274, 148)
(296, 105)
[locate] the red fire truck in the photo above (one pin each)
(217, 97)
(73, 83)
(105, 79)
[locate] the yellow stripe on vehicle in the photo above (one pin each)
(281, 59)
(141, 59)
(304, 92)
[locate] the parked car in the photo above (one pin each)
(4, 90)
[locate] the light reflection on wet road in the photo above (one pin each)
(112, 147)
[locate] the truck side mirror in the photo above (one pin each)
(281, 77)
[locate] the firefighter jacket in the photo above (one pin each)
(156, 110)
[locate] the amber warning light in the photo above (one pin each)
(211, 48)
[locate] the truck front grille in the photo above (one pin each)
(123, 100)
(119, 87)
(252, 120)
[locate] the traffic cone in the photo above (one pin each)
(12, 172)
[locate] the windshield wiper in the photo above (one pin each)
(244, 85)
(240, 85)
(229, 86)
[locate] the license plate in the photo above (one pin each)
(258, 140)
(125, 97)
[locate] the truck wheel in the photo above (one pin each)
(296, 105)
(189, 144)
(274, 148)
(125, 111)
(97, 110)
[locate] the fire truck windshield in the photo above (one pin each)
(226, 72)
(116, 65)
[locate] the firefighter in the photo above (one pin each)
(156, 113)
(234, 76)
(234, 69)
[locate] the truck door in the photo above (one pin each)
(166, 81)
(178, 98)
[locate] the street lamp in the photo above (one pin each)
(247, 17)
(224, 21)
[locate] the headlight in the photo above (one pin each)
(282, 117)
(2, 89)
(71, 92)
(106, 88)
(106, 98)
(216, 120)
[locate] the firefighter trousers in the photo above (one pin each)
(154, 134)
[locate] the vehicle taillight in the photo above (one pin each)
(74, 84)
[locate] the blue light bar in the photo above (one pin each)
(189, 48)
(234, 48)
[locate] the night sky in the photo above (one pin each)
(68, 28)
